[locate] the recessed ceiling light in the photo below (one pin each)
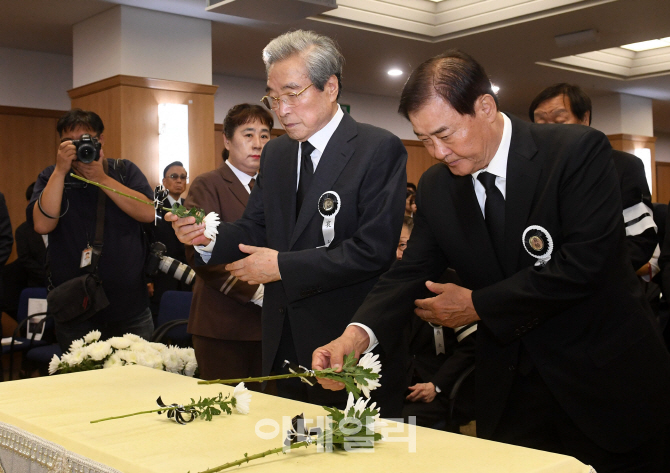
(647, 45)
(495, 88)
(394, 72)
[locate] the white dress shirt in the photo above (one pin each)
(319, 140)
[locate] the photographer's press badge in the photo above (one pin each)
(538, 243)
(329, 205)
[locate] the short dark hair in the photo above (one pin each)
(29, 191)
(580, 103)
(244, 113)
(167, 168)
(76, 118)
(453, 76)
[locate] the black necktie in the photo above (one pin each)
(306, 174)
(252, 183)
(494, 212)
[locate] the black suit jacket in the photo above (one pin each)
(581, 319)
(641, 236)
(321, 288)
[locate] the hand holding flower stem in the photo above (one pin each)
(356, 377)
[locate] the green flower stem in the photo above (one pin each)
(97, 184)
(260, 379)
(141, 412)
(248, 458)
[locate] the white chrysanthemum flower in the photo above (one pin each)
(132, 337)
(99, 351)
(140, 346)
(76, 344)
(130, 357)
(113, 361)
(151, 359)
(242, 398)
(190, 367)
(74, 357)
(53, 364)
(92, 336)
(371, 422)
(211, 222)
(159, 347)
(119, 343)
(370, 361)
(172, 361)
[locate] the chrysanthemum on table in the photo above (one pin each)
(91, 353)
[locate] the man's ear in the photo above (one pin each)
(487, 105)
(586, 119)
(101, 138)
(332, 87)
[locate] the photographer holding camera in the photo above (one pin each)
(96, 252)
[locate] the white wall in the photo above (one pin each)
(374, 109)
(662, 147)
(143, 43)
(35, 80)
(623, 113)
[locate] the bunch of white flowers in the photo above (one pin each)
(89, 353)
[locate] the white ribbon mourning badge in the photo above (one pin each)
(329, 206)
(538, 243)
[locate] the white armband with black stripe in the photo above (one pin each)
(638, 218)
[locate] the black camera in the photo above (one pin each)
(88, 148)
(158, 261)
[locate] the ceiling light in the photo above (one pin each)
(394, 72)
(495, 89)
(647, 45)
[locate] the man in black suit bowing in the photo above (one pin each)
(568, 358)
(323, 221)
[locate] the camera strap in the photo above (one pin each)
(99, 225)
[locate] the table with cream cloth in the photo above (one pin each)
(45, 426)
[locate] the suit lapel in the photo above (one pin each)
(472, 222)
(522, 177)
(335, 157)
(236, 187)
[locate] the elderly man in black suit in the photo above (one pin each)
(323, 221)
(568, 358)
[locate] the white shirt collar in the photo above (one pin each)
(172, 200)
(321, 138)
(242, 176)
(498, 165)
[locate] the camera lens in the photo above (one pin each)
(86, 153)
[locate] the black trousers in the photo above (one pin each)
(533, 418)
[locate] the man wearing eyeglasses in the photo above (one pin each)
(174, 180)
(324, 218)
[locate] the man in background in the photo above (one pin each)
(174, 180)
(568, 104)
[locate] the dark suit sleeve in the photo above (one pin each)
(390, 304)
(641, 236)
(203, 194)
(664, 260)
(371, 248)
(461, 359)
(591, 232)
(6, 238)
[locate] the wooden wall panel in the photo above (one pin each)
(663, 182)
(418, 160)
(29, 143)
(129, 107)
(629, 143)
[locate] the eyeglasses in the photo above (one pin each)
(289, 99)
(176, 176)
